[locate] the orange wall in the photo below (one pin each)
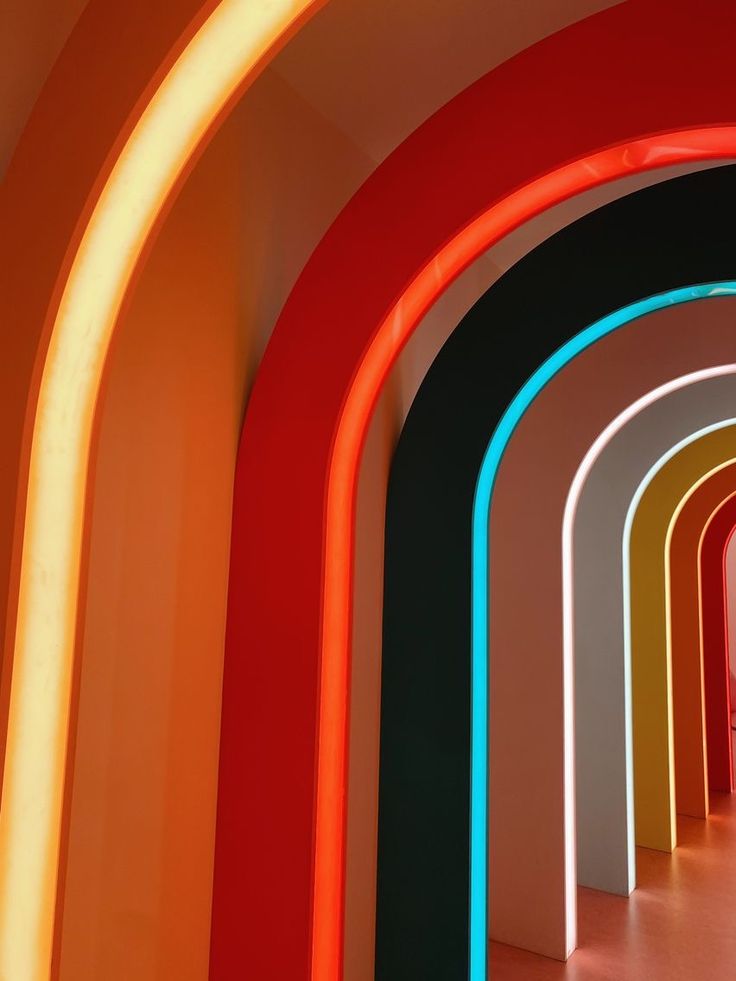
(137, 897)
(137, 885)
(142, 814)
(139, 860)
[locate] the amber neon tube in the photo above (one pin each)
(234, 41)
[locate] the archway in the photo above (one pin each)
(515, 180)
(428, 586)
(269, 421)
(713, 599)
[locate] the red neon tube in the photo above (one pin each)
(422, 218)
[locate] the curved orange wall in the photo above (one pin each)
(141, 831)
(296, 197)
(32, 32)
(713, 602)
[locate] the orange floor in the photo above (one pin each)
(679, 924)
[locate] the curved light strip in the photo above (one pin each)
(709, 143)
(571, 504)
(646, 481)
(230, 46)
(480, 620)
(684, 632)
(626, 554)
(712, 576)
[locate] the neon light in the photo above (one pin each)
(571, 504)
(480, 652)
(711, 143)
(713, 598)
(699, 508)
(231, 45)
(631, 513)
(626, 558)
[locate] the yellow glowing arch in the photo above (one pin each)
(231, 45)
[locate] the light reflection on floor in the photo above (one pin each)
(679, 924)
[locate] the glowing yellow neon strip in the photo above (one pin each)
(233, 41)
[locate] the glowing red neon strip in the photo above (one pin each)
(503, 150)
(708, 144)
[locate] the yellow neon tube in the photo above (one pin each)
(231, 44)
(652, 516)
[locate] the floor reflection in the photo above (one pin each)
(678, 925)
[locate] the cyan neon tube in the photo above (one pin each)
(480, 614)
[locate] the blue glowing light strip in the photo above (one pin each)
(480, 653)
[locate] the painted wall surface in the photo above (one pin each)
(651, 667)
(403, 384)
(546, 451)
(137, 901)
(713, 644)
(428, 52)
(32, 32)
(600, 520)
(254, 346)
(137, 892)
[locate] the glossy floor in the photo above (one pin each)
(679, 924)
